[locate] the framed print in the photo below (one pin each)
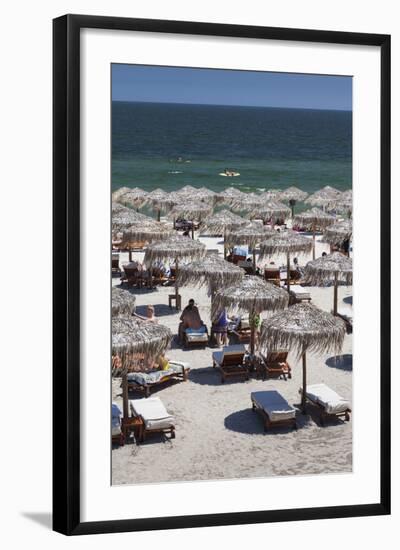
(219, 191)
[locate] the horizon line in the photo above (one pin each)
(231, 105)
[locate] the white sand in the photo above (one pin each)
(217, 434)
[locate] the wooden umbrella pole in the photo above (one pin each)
(176, 284)
(130, 254)
(254, 259)
(313, 242)
(125, 400)
(224, 243)
(192, 229)
(303, 395)
(158, 215)
(288, 272)
(335, 294)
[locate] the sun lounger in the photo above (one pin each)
(273, 408)
(230, 362)
(272, 275)
(155, 417)
(117, 436)
(330, 404)
(274, 364)
(115, 263)
(194, 337)
(243, 331)
(146, 381)
(299, 294)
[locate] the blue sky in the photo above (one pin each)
(223, 87)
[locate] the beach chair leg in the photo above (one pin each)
(347, 417)
(172, 433)
(147, 391)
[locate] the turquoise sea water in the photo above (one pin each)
(171, 145)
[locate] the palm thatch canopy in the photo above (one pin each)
(343, 204)
(251, 295)
(303, 328)
(122, 219)
(146, 231)
(251, 234)
(191, 210)
(118, 192)
(123, 302)
(135, 197)
(246, 201)
(293, 194)
(172, 249)
(323, 196)
(222, 221)
(329, 268)
(272, 209)
(160, 199)
(285, 242)
(118, 207)
(133, 336)
(228, 195)
(213, 271)
(338, 232)
(206, 194)
(187, 190)
(314, 218)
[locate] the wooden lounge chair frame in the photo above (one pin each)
(115, 268)
(232, 366)
(324, 416)
(268, 423)
(273, 276)
(146, 388)
(274, 365)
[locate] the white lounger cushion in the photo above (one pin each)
(329, 399)
(218, 356)
(299, 291)
(197, 337)
(273, 404)
(153, 412)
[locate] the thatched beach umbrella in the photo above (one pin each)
(228, 195)
(252, 234)
(246, 202)
(344, 204)
(313, 218)
(174, 249)
(191, 210)
(135, 197)
(271, 210)
(334, 268)
(220, 223)
(251, 295)
(118, 192)
(207, 195)
(337, 233)
(132, 336)
(303, 328)
(211, 271)
(323, 197)
(123, 302)
(160, 200)
(288, 242)
(124, 217)
(292, 195)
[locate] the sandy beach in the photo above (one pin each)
(218, 436)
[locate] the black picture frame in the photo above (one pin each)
(66, 274)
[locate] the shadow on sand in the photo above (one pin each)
(348, 300)
(342, 362)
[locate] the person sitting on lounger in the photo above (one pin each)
(190, 319)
